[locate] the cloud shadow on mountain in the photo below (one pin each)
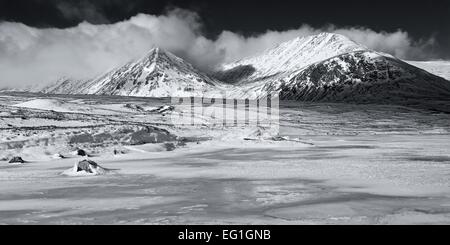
(235, 74)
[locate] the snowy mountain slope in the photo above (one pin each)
(365, 76)
(66, 86)
(438, 68)
(360, 77)
(288, 57)
(332, 68)
(157, 74)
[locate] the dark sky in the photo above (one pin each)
(421, 19)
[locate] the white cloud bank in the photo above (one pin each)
(34, 56)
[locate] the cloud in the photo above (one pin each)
(81, 10)
(29, 55)
(398, 43)
(35, 56)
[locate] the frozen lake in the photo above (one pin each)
(351, 164)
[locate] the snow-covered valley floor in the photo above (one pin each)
(351, 164)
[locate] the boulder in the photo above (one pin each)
(88, 166)
(170, 146)
(58, 156)
(81, 152)
(163, 109)
(16, 160)
(118, 152)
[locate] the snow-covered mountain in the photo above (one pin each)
(288, 58)
(364, 76)
(330, 67)
(64, 85)
(324, 67)
(157, 74)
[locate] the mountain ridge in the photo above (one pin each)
(292, 56)
(325, 67)
(156, 74)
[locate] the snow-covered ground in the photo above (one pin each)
(333, 164)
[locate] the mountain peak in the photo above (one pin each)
(158, 55)
(333, 43)
(155, 52)
(297, 54)
(331, 35)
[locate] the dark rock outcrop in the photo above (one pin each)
(87, 166)
(81, 152)
(16, 160)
